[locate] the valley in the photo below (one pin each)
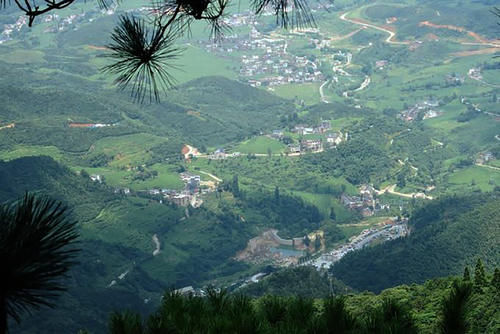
(321, 147)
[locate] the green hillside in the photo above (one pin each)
(446, 235)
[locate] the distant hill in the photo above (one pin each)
(446, 235)
(208, 111)
(216, 110)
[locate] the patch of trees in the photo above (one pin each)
(357, 160)
(468, 115)
(291, 215)
(302, 281)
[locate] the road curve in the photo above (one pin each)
(388, 39)
(392, 35)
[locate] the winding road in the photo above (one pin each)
(392, 34)
(389, 39)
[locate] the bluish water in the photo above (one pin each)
(287, 252)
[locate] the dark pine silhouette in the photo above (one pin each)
(36, 249)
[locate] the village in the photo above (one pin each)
(422, 110)
(191, 195)
(266, 61)
(365, 203)
(392, 229)
(303, 144)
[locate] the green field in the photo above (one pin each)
(260, 145)
(475, 177)
(28, 151)
(307, 92)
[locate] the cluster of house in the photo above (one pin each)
(60, 24)
(381, 64)
(312, 145)
(424, 110)
(317, 145)
(485, 157)
(302, 130)
(365, 203)
(475, 73)
(276, 66)
(190, 195)
(9, 29)
(65, 23)
(267, 62)
(220, 154)
(187, 196)
(240, 19)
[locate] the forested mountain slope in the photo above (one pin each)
(446, 235)
(117, 267)
(118, 259)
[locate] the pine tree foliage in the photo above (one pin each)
(455, 309)
(479, 275)
(36, 249)
(466, 276)
(495, 281)
(219, 312)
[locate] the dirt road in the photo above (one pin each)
(323, 98)
(392, 190)
(480, 41)
(211, 175)
(490, 167)
(389, 39)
